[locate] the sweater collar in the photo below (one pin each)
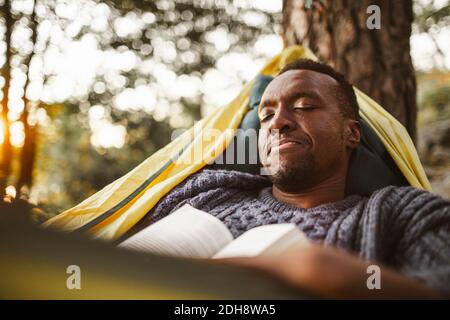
(267, 197)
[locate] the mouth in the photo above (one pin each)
(285, 144)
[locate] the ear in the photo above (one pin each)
(352, 133)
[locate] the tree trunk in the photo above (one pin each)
(376, 61)
(6, 150)
(27, 154)
(27, 158)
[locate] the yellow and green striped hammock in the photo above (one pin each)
(112, 211)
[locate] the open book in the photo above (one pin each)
(192, 233)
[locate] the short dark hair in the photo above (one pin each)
(346, 96)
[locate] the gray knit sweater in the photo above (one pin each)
(403, 227)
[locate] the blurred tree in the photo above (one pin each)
(6, 154)
(375, 60)
(430, 18)
(162, 52)
(433, 97)
(27, 155)
(17, 61)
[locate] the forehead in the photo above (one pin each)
(297, 81)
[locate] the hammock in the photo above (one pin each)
(112, 211)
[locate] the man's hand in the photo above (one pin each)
(332, 273)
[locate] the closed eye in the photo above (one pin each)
(305, 107)
(266, 117)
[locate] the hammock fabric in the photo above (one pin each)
(112, 211)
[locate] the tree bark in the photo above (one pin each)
(27, 158)
(376, 61)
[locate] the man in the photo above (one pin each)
(404, 231)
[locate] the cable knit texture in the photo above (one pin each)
(403, 227)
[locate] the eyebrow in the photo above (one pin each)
(290, 99)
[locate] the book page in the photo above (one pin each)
(186, 232)
(268, 239)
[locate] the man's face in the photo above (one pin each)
(301, 108)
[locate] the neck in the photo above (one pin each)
(327, 191)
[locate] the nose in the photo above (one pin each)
(282, 120)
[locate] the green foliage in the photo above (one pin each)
(427, 16)
(433, 96)
(431, 20)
